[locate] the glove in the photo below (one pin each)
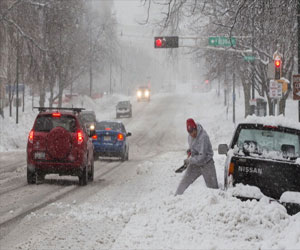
(186, 162)
(189, 152)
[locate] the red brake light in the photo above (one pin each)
(79, 137)
(231, 168)
(120, 137)
(270, 127)
(107, 128)
(94, 137)
(56, 114)
(30, 136)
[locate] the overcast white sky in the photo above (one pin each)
(130, 16)
(129, 12)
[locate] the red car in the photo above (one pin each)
(59, 144)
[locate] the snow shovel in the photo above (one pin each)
(181, 169)
(184, 166)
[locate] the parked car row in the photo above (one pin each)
(66, 141)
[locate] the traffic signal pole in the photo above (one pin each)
(253, 66)
(298, 21)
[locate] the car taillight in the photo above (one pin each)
(120, 137)
(231, 168)
(107, 128)
(30, 136)
(271, 127)
(79, 137)
(94, 137)
(56, 114)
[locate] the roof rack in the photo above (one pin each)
(43, 109)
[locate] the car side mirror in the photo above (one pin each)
(222, 149)
(128, 134)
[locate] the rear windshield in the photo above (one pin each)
(110, 125)
(125, 103)
(264, 142)
(46, 122)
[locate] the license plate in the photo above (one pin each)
(107, 138)
(39, 155)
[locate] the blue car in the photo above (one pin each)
(110, 140)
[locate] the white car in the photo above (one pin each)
(143, 94)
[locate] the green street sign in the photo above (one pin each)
(221, 41)
(249, 58)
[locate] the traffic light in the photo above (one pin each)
(166, 42)
(277, 63)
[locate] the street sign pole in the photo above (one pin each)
(273, 94)
(279, 96)
(253, 66)
(233, 98)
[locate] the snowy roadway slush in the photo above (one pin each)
(131, 204)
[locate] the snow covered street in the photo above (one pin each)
(131, 205)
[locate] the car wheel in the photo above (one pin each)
(123, 157)
(91, 173)
(83, 177)
(127, 156)
(31, 177)
(40, 177)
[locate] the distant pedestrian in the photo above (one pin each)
(200, 162)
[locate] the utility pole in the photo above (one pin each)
(17, 80)
(225, 85)
(298, 21)
(23, 102)
(90, 63)
(110, 89)
(121, 68)
(219, 84)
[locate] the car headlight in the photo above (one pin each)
(147, 93)
(139, 93)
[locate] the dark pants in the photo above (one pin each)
(194, 171)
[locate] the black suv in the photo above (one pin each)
(124, 108)
(59, 144)
(264, 155)
(89, 119)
